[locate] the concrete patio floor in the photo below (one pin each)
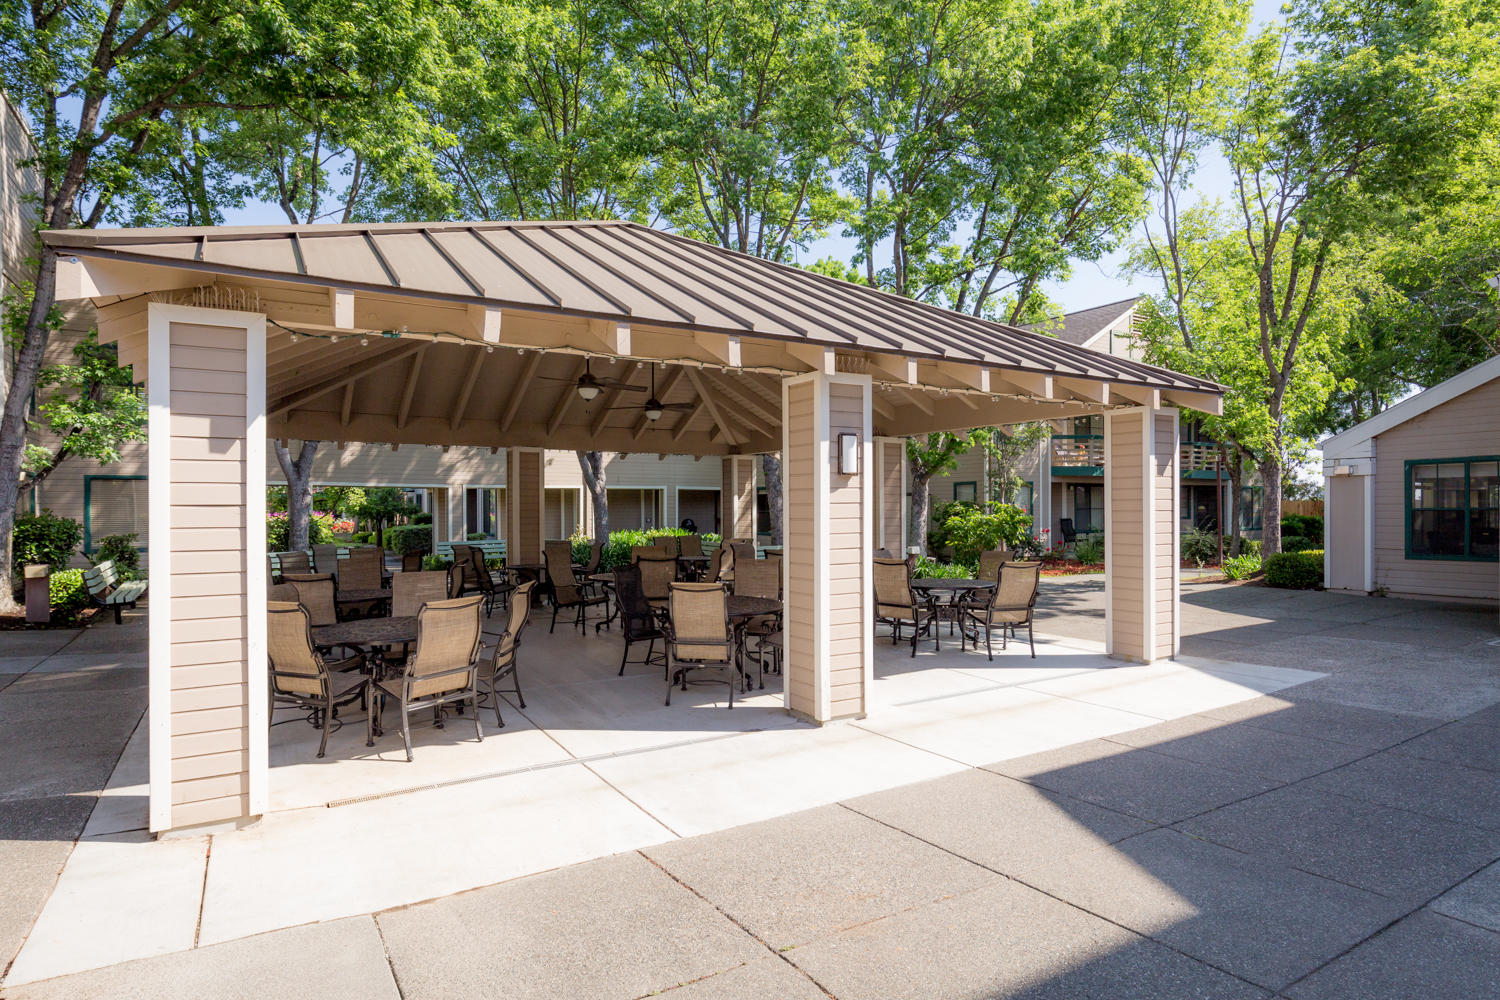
(1031, 828)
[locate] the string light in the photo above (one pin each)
(364, 341)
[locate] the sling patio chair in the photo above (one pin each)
(465, 564)
(698, 635)
(325, 558)
(759, 578)
(639, 621)
(495, 591)
(362, 570)
(411, 562)
(442, 670)
(724, 564)
(502, 661)
(299, 677)
(690, 545)
(590, 567)
(295, 561)
(669, 545)
(639, 552)
(286, 592)
(990, 563)
(743, 548)
(897, 605)
(1009, 606)
(565, 590)
(657, 575)
(315, 592)
(410, 592)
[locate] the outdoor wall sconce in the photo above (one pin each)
(848, 454)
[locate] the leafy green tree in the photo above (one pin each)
(382, 505)
(97, 80)
(1006, 451)
(928, 456)
(1349, 108)
(89, 408)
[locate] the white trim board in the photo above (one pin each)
(1354, 442)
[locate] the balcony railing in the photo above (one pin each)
(1086, 451)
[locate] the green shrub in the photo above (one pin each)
(363, 538)
(1298, 543)
(970, 530)
(122, 551)
(67, 593)
(1308, 526)
(1199, 546)
(421, 517)
(438, 562)
(1089, 550)
(1242, 567)
(409, 538)
(494, 562)
(476, 536)
(931, 569)
(44, 538)
(617, 549)
(1249, 546)
(278, 526)
(1295, 570)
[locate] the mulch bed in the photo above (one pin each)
(18, 623)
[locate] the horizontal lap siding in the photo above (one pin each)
(1460, 428)
(848, 613)
(1126, 562)
(209, 672)
(892, 497)
(799, 531)
(1164, 489)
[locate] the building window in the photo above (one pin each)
(1088, 508)
(1089, 425)
(1024, 496)
(114, 505)
(968, 492)
(1453, 509)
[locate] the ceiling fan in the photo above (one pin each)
(653, 408)
(589, 387)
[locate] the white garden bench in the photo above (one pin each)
(107, 591)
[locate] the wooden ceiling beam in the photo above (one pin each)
(730, 433)
(461, 403)
(348, 406)
(518, 389)
(686, 421)
(411, 386)
(565, 401)
(611, 399)
(642, 424)
(297, 397)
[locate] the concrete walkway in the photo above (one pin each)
(1336, 839)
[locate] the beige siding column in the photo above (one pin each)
(1348, 540)
(828, 530)
(738, 497)
(1142, 560)
(891, 509)
(525, 493)
(457, 510)
(206, 384)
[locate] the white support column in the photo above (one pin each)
(828, 529)
(738, 497)
(525, 493)
(1141, 497)
(206, 397)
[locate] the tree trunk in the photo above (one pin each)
(771, 466)
(1270, 487)
(594, 477)
(920, 505)
(299, 491)
(28, 365)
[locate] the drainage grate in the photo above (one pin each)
(574, 761)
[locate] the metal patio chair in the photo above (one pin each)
(897, 605)
(639, 621)
(1010, 606)
(565, 590)
(442, 669)
(502, 661)
(699, 636)
(299, 676)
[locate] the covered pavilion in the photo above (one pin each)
(477, 334)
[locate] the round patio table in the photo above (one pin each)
(956, 590)
(363, 632)
(695, 565)
(363, 595)
(741, 611)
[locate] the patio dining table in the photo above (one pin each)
(742, 611)
(367, 633)
(956, 590)
(363, 595)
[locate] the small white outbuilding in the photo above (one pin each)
(1413, 494)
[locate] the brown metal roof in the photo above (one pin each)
(615, 270)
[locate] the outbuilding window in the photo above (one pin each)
(1453, 508)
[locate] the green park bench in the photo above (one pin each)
(106, 590)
